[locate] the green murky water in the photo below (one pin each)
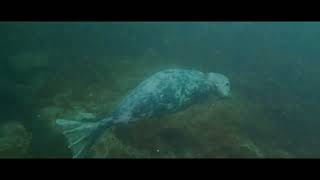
(81, 70)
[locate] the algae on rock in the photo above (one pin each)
(15, 141)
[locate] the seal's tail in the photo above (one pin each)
(80, 135)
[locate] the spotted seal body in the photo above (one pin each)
(164, 92)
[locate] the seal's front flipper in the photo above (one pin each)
(79, 135)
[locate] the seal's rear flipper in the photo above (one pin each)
(79, 135)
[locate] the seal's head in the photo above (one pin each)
(220, 83)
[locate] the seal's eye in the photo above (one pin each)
(227, 84)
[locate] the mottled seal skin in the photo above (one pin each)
(164, 92)
(169, 91)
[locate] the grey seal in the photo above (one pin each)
(164, 92)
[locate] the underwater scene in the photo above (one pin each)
(160, 89)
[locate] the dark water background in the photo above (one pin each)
(273, 65)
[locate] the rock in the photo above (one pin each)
(110, 146)
(198, 132)
(15, 141)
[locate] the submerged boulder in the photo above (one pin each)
(111, 146)
(201, 131)
(15, 141)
